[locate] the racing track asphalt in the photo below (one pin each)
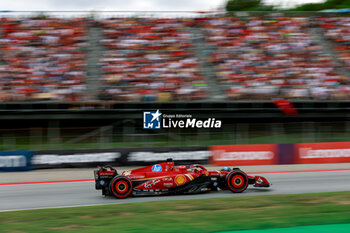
(83, 193)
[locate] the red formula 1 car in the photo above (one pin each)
(166, 178)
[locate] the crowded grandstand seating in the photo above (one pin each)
(337, 29)
(150, 60)
(42, 59)
(271, 57)
(153, 59)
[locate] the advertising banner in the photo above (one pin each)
(327, 152)
(76, 158)
(182, 155)
(232, 155)
(118, 156)
(15, 160)
(219, 155)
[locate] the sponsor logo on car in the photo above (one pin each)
(136, 177)
(180, 179)
(168, 184)
(151, 183)
(126, 173)
(106, 173)
(259, 181)
(157, 168)
(167, 179)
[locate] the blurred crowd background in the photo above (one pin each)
(209, 57)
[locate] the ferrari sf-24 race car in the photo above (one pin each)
(166, 178)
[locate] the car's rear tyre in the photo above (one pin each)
(237, 181)
(120, 186)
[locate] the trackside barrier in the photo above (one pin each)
(329, 152)
(15, 160)
(229, 155)
(286, 153)
(220, 155)
(265, 154)
(119, 156)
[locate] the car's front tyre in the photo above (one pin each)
(237, 181)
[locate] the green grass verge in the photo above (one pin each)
(201, 215)
(324, 228)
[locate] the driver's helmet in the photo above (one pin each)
(226, 169)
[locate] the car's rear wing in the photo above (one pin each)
(103, 176)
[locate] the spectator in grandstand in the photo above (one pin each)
(42, 58)
(150, 60)
(270, 57)
(337, 29)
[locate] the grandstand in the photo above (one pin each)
(43, 58)
(205, 58)
(84, 81)
(150, 60)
